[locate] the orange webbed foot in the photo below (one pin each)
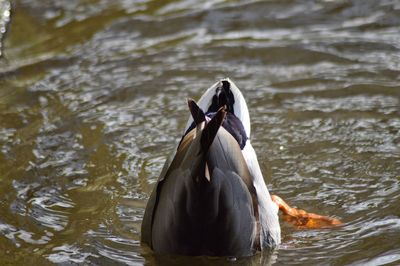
(303, 219)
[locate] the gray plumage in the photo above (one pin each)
(204, 203)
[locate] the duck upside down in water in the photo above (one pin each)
(211, 198)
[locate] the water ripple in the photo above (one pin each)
(92, 101)
(5, 16)
(69, 253)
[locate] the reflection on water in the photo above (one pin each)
(5, 14)
(93, 99)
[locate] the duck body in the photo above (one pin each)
(211, 198)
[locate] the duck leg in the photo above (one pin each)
(303, 219)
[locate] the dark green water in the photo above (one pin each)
(93, 99)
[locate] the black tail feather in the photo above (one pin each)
(197, 114)
(211, 129)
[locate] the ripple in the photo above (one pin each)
(5, 15)
(115, 248)
(381, 259)
(49, 209)
(16, 235)
(117, 255)
(93, 101)
(69, 253)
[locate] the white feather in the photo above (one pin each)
(267, 208)
(240, 106)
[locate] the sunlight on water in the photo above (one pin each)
(5, 15)
(93, 101)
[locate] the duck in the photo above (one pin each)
(211, 198)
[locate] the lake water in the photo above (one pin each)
(93, 100)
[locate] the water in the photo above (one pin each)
(5, 14)
(92, 101)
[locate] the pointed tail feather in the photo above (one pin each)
(197, 114)
(211, 129)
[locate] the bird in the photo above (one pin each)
(211, 198)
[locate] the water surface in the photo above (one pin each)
(93, 100)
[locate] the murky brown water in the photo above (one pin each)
(92, 101)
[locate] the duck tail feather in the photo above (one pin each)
(197, 114)
(211, 129)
